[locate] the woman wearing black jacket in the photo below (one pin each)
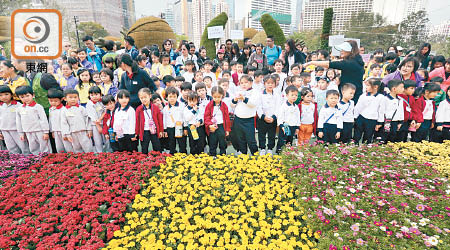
(291, 55)
(134, 79)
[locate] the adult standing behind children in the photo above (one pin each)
(351, 65)
(291, 56)
(134, 79)
(94, 53)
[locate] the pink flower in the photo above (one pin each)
(378, 223)
(345, 248)
(332, 247)
(420, 207)
(414, 230)
(355, 227)
(326, 221)
(399, 235)
(360, 241)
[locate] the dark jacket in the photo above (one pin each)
(299, 57)
(352, 71)
(140, 79)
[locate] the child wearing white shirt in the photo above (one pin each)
(125, 123)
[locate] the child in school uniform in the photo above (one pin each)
(189, 71)
(95, 109)
(245, 101)
(443, 118)
(258, 83)
(31, 121)
(55, 97)
(85, 63)
(288, 118)
(75, 124)
(165, 68)
(203, 100)
(426, 114)
(217, 122)
(108, 122)
(392, 110)
(267, 117)
(67, 80)
(238, 73)
(186, 88)
(367, 111)
(409, 123)
(320, 92)
(192, 121)
(347, 107)
(125, 123)
(173, 122)
(107, 86)
(149, 122)
(208, 65)
(330, 122)
(8, 126)
(160, 103)
(309, 115)
(83, 86)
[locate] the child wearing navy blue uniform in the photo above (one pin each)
(392, 110)
(330, 122)
(347, 106)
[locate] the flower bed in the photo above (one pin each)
(368, 197)
(12, 164)
(71, 201)
(438, 154)
(224, 203)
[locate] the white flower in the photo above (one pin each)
(315, 199)
(336, 235)
(304, 198)
(413, 224)
(433, 241)
(404, 229)
(359, 211)
(339, 187)
(383, 228)
(352, 190)
(447, 191)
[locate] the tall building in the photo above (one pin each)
(201, 15)
(113, 15)
(442, 29)
(393, 11)
(183, 18)
(280, 10)
(169, 16)
(216, 9)
(298, 15)
(231, 6)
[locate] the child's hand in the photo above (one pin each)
(227, 133)
(107, 137)
(45, 137)
(268, 119)
(399, 126)
(69, 138)
(185, 132)
(320, 134)
(22, 138)
(197, 124)
(432, 125)
(418, 125)
(161, 134)
(439, 128)
(413, 124)
(165, 134)
(134, 138)
(89, 134)
(377, 127)
(212, 128)
(97, 122)
(338, 135)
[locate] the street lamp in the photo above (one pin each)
(249, 15)
(75, 19)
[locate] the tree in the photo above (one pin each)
(9, 6)
(311, 38)
(181, 38)
(372, 30)
(209, 44)
(272, 28)
(93, 29)
(326, 27)
(441, 45)
(412, 30)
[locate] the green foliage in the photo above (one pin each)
(180, 38)
(326, 27)
(8, 6)
(311, 38)
(209, 44)
(93, 29)
(272, 28)
(441, 45)
(412, 30)
(372, 30)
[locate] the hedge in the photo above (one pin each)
(210, 44)
(326, 27)
(272, 28)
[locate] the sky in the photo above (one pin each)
(437, 9)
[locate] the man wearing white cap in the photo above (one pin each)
(351, 65)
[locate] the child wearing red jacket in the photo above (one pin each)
(149, 122)
(108, 121)
(217, 122)
(409, 110)
(426, 111)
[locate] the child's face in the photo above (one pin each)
(178, 84)
(376, 71)
(189, 67)
(239, 68)
(192, 102)
(123, 101)
(322, 84)
(298, 82)
(75, 66)
(220, 56)
(172, 98)
(110, 106)
(155, 59)
(348, 94)
(399, 89)
(95, 97)
(217, 97)
(208, 67)
(85, 77)
(145, 99)
(199, 77)
(431, 95)
(292, 96)
(313, 57)
(157, 83)
(226, 76)
(184, 93)
(225, 86)
(201, 93)
(81, 56)
(251, 73)
(410, 91)
(225, 66)
(66, 70)
(259, 78)
(295, 70)
(158, 102)
(97, 78)
(5, 97)
(208, 82)
(72, 99)
(332, 100)
(245, 84)
(26, 98)
(319, 73)
(165, 61)
(142, 63)
(308, 97)
(54, 102)
(109, 65)
(104, 77)
(269, 85)
(278, 66)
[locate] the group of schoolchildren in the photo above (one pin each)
(202, 109)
